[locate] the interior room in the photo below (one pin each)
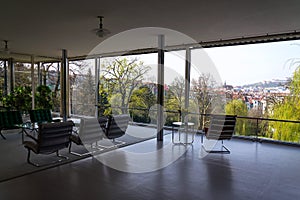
(168, 157)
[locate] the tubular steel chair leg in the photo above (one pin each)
(117, 142)
(70, 147)
(61, 156)
(96, 149)
(72, 152)
(227, 151)
(28, 159)
(4, 138)
(37, 165)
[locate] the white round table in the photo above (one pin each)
(183, 127)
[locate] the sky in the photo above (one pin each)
(235, 65)
(239, 65)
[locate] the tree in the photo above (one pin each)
(124, 75)
(177, 90)
(174, 100)
(238, 107)
(2, 74)
(43, 97)
(273, 100)
(289, 109)
(140, 103)
(207, 97)
(103, 102)
(51, 78)
(85, 95)
(22, 75)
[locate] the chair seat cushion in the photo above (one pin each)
(31, 145)
(76, 139)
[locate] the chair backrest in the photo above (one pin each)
(54, 136)
(221, 127)
(102, 121)
(40, 115)
(8, 119)
(90, 130)
(116, 126)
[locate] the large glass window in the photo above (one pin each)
(174, 77)
(259, 81)
(2, 75)
(23, 74)
(128, 85)
(50, 76)
(82, 87)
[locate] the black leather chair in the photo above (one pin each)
(93, 132)
(103, 121)
(221, 128)
(11, 120)
(116, 127)
(41, 116)
(51, 138)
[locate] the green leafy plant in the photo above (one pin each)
(19, 99)
(43, 97)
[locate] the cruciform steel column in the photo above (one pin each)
(5, 78)
(64, 96)
(11, 69)
(97, 81)
(187, 77)
(160, 87)
(32, 81)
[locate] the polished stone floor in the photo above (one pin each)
(161, 170)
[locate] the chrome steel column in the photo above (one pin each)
(5, 78)
(64, 76)
(97, 81)
(160, 89)
(39, 74)
(187, 77)
(11, 71)
(187, 95)
(32, 81)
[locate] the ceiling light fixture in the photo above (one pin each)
(6, 50)
(101, 32)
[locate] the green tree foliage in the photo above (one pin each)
(289, 109)
(283, 130)
(238, 107)
(257, 126)
(177, 90)
(19, 99)
(43, 97)
(174, 100)
(103, 104)
(124, 75)
(140, 103)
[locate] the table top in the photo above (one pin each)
(75, 120)
(183, 123)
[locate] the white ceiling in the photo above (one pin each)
(46, 27)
